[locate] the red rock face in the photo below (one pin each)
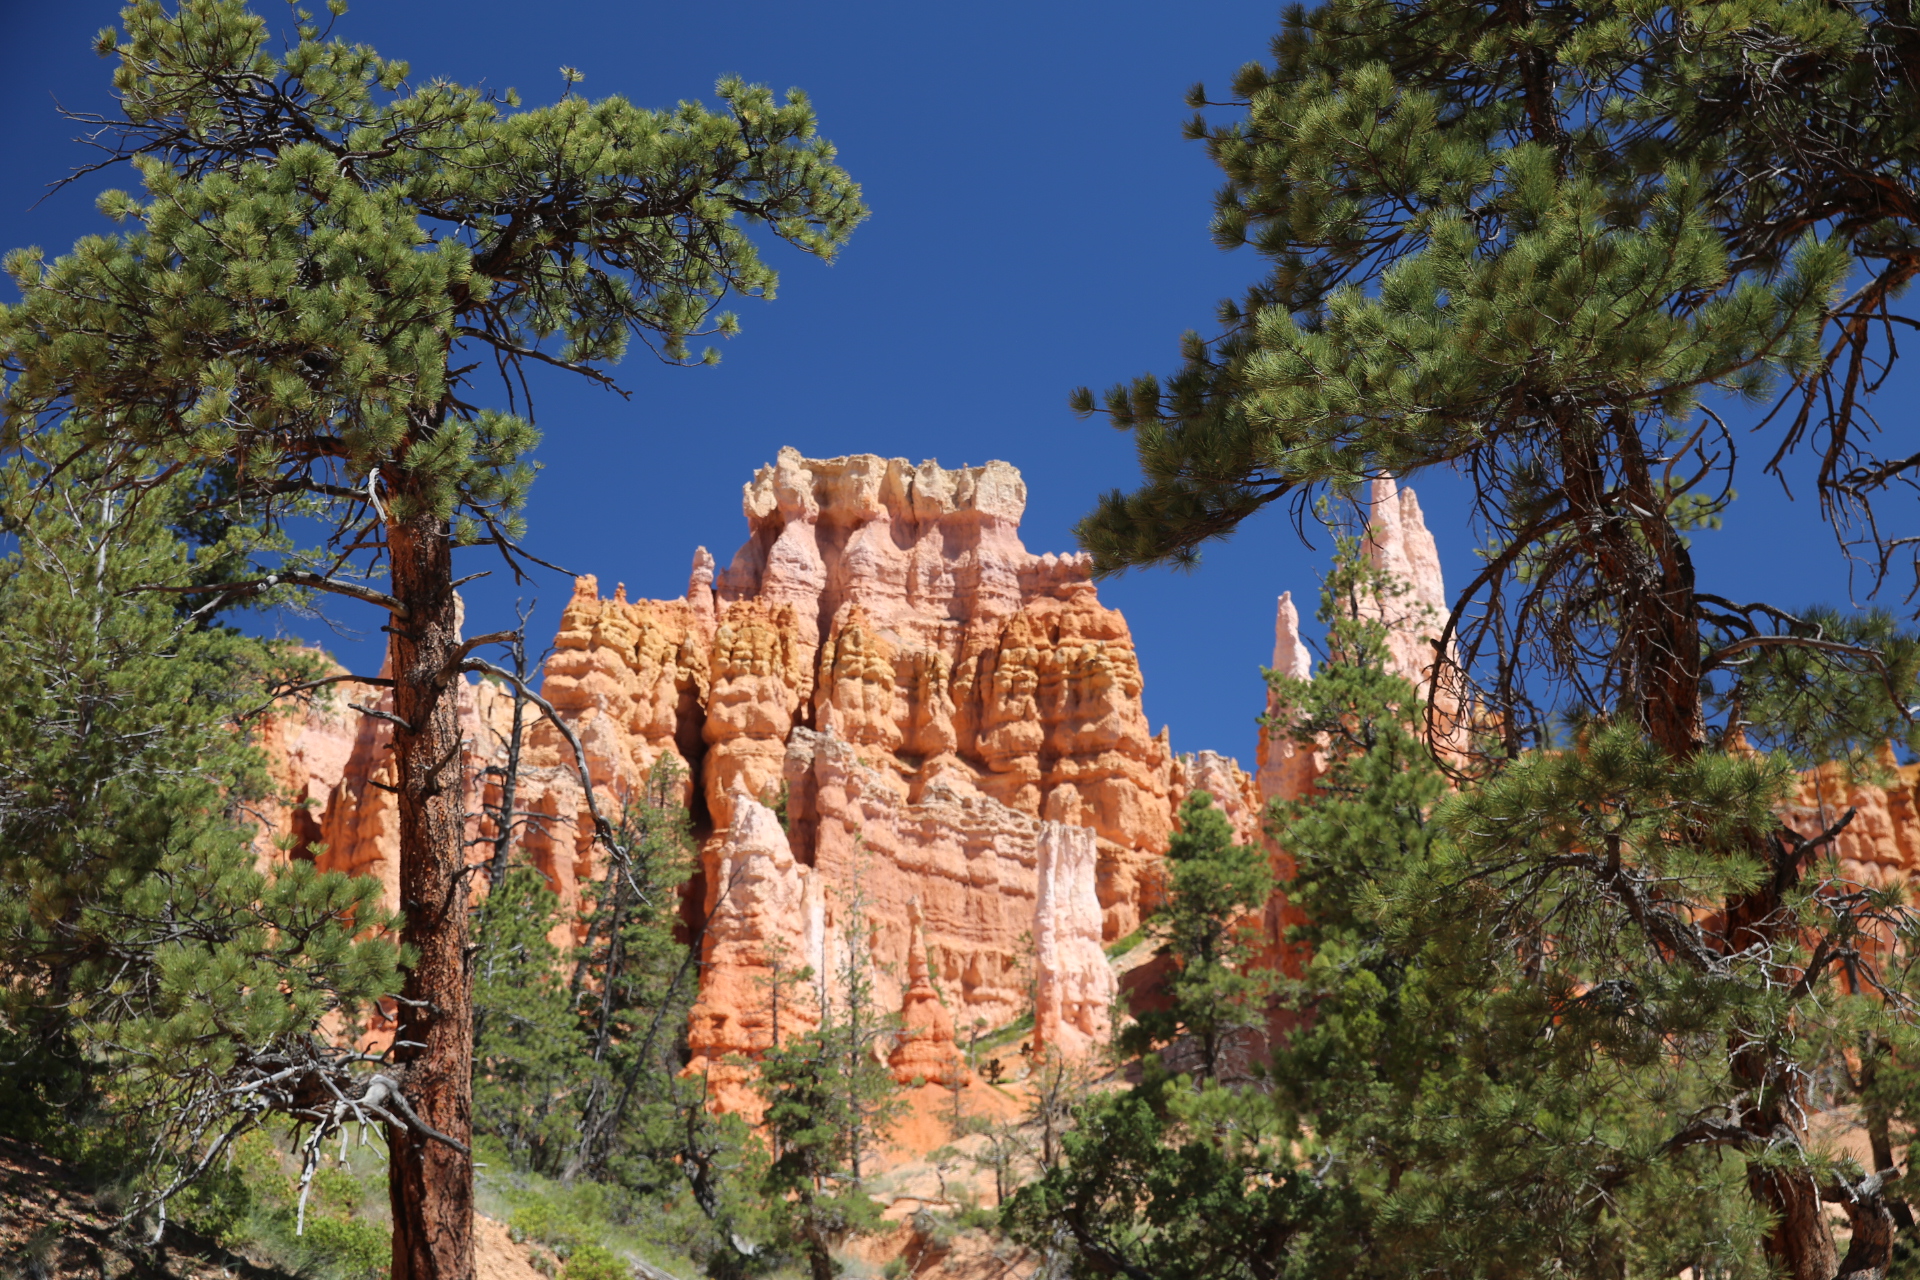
(931, 707)
(915, 752)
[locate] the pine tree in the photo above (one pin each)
(1214, 995)
(578, 1054)
(323, 257)
(830, 1098)
(636, 978)
(530, 1058)
(1546, 246)
(1491, 1103)
(151, 972)
(821, 1095)
(1571, 1019)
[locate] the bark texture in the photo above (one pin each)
(431, 1186)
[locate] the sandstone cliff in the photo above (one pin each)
(905, 739)
(914, 750)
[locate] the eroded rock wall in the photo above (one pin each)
(889, 682)
(913, 749)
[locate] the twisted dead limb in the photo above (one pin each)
(310, 1082)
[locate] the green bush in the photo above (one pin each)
(591, 1262)
(545, 1222)
(338, 1190)
(977, 1218)
(350, 1249)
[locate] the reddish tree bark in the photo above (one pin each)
(431, 1186)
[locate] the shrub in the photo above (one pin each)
(591, 1262)
(352, 1250)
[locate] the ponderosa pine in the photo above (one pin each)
(159, 991)
(1546, 246)
(324, 256)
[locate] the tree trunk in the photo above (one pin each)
(819, 1258)
(1642, 562)
(1799, 1244)
(430, 1182)
(1870, 1254)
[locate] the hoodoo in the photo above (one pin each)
(886, 707)
(913, 746)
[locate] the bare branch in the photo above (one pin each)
(229, 590)
(602, 828)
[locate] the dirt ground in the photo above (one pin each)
(51, 1229)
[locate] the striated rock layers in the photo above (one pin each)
(916, 755)
(917, 747)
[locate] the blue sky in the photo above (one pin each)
(1038, 223)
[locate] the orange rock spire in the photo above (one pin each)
(924, 1049)
(884, 705)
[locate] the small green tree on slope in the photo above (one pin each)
(323, 258)
(1213, 994)
(150, 972)
(817, 1200)
(580, 1076)
(529, 1051)
(830, 1099)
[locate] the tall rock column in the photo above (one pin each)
(765, 928)
(924, 1048)
(1283, 769)
(1074, 984)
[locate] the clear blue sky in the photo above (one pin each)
(1038, 223)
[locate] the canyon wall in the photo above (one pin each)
(915, 753)
(909, 745)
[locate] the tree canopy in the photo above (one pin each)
(323, 261)
(1550, 246)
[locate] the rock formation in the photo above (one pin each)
(888, 715)
(1398, 543)
(913, 750)
(1880, 847)
(924, 1048)
(765, 940)
(307, 754)
(1075, 987)
(1281, 767)
(1235, 792)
